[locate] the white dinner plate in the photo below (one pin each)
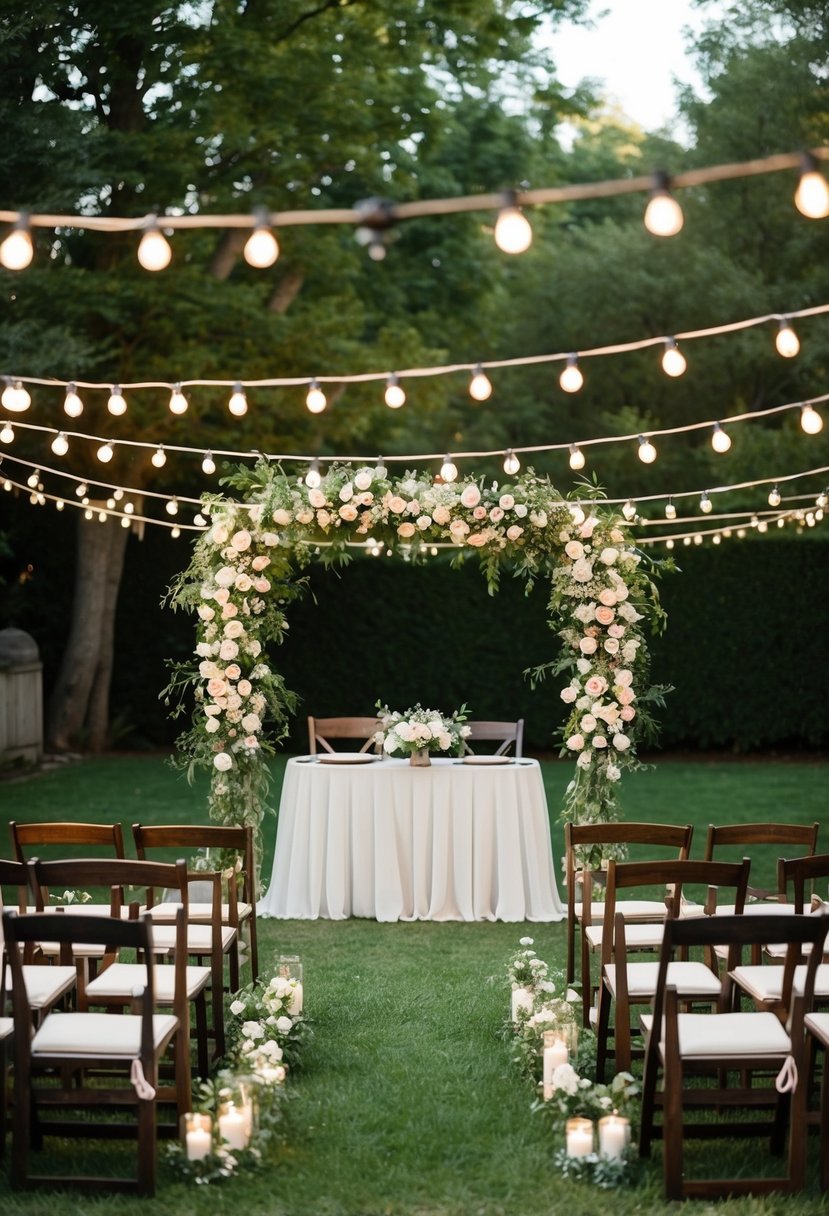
(346, 758)
(487, 760)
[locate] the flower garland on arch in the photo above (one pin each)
(244, 572)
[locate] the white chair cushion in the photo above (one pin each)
(121, 980)
(818, 1023)
(44, 985)
(766, 983)
(199, 937)
(637, 936)
(52, 950)
(97, 1034)
(197, 911)
(758, 909)
(690, 979)
(6, 1027)
(631, 909)
(741, 1036)
(89, 909)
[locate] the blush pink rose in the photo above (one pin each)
(616, 631)
(441, 514)
(479, 513)
(261, 585)
(628, 713)
(260, 562)
(240, 540)
(514, 532)
(575, 743)
(624, 677)
(476, 539)
(216, 687)
(243, 582)
(596, 686)
(496, 514)
(605, 615)
(471, 496)
(588, 645)
(281, 517)
(607, 597)
(348, 512)
(625, 696)
(397, 505)
(574, 549)
(316, 498)
(229, 611)
(406, 530)
(506, 501)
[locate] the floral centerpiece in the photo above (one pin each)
(417, 731)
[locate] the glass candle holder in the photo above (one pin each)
(614, 1135)
(233, 1124)
(554, 1053)
(579, 1137)
(289, 967)
(197, 1134)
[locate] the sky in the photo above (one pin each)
(636, 50)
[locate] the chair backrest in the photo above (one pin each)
(26, 836)
(737, 835)
(113, 874)
(584, 845)
(14, 888)
(230, 841)
(798, 875)
(506, 734)
(322, 729)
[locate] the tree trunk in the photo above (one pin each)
(79, 705)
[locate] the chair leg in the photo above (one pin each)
(602, 1033)
(586, 988)
(202, 1050)
(571, 951)
(146, 1147)
(183, 1072)
(21, 1130)
(621, 1035)
(672, 1127)
(233, 964)
(217, 1001)
(824, 1124)
(254, 949)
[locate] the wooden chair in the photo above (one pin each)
(27, 837)
(320, 730)
(817, 1028)
(51, 1063)
(45, 985)
(624, 983)
(796, 878)
(762, 835)
(506, 734)
(585, 846)
(724, 1044)
(229, 850)
(6, 1028)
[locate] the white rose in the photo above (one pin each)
(574, 549)
(583, 666)
(241, 540)
(588, 723)
(424, 522)
(621, 742)
(583, 760)
(237, 1007)
(243, 582)
(506, 502)
(588, 645)
(470, 496)
(582, 571)
(599, 741)
(514, 532)
(244, 688)
(316, 498)
(363, 480)
(211, 725)
(270, 539)
(347, 492)
(234, 629)
(222, 762)
(284, 1024)
(252, 1030)
(521, 510)
(441, 514)
(612, 645)
(206, 612)
(225, 577)
(624, 678)
(539, 518)
(251, 723)
(219, 534)
(629, 651)
(228, 649)
(204, 650)
(568, 695)
(575, 743)
(613, 772)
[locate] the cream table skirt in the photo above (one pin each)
(391, 842)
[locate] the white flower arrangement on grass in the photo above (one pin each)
(263, 1025)
(418, 729)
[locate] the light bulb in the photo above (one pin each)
(105, 452)
(89, 513)
(208, 465)
(511, 463)
(15, 398)
(313, 478)
(110, 504)
(116, 404)
(448, 470)
(669, 544)
(102, 517)
(673, 360)
(60, 444)
(812, 194)
(154, 252)
(395, 396)
(663, 214)
(7, 433)
(175, 532)
(199, 520)
(774, 497)
(576, 457)
(33, 479)
(16, 251)
(129, 508)
(571, 378)
(705, 504)
(60, 504)
(315, 399)
(698, 538)
(125, 522)
(670, 510)
(720, 439)
(577, 514)
(811, 420)
(178, 401)
(117, 495)
(629, 510)
(171, 507)
(159, 457)
(261, 248)
(646, 451)
(716, 539)
(81, 489)
(72, 404)
(238, 403)
(513, 233)
(822, 500)
(787, 341)
(480, 386)
(762, 526)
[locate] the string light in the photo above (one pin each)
(511, 463)
(261, 248)
(663, 214)
(646, 451)
(629, 510)
(72, 404)
(15, 398)
(175, 532)
(60, 504)
(577, 514)
(159, 457)
(720, 439)
(787, 341)
(576, 458)
(774, 497)
(208, 464)
(33, 479)
(480, 386)
(810, 420)
(448, 470)
(394, 395)
(125, 521)
(313, 478)
(513, 233)
(16, 251)
(669, 544)
(670, 510)
(812, 194)
(673, 360)
(116, 404)
(238, 403)
(106, 451)
(571, 378)
(154, 252)
(60, 444)
(172, 506)
(178, 401)
(705, 504)
(81, 489)
(315, 399)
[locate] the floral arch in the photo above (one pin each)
(246, 569)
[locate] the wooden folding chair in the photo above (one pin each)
(52, 1063)
(505, 734)
(320, 730)
(624, 983)
(30, 837)
(765, 836)
(729, 1043)
(45, 985)
(817, 1028)
(585, 846)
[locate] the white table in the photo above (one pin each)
(392, 842)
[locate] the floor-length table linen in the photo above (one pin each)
(390, 841)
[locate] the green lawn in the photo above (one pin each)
(407, 1104)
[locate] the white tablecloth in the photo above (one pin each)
(385, 840)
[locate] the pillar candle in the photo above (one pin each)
(614, 1135)
(555, 1053)
(295, 1000)
(232, 1127)
(579, 1138)
(198, 1144)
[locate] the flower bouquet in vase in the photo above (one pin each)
(417, 731)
